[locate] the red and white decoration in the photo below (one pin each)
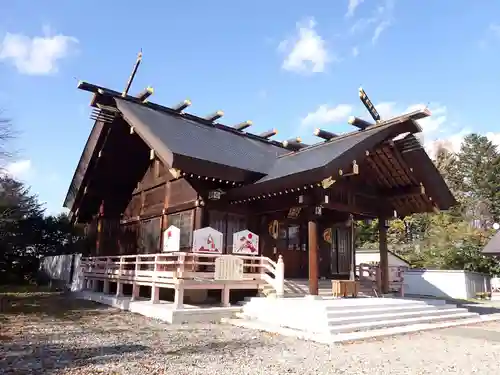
(171, 239)
(245, 242)
(207, 240)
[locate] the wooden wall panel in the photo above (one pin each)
(154, 200)
(181, 192)
(134, 206)
(155, 175)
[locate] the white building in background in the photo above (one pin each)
(369, 256)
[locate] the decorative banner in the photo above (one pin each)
(228, 267)
(327, 235)
(274, 229)
(207, 240)
(369, 105)
(294, 212)
(245, 242)
(171, 239)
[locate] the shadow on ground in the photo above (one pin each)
(216, 346)
(48, 358)
(58, 305)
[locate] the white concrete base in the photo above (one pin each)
(357, 336)
(335, 320)
(163, 310)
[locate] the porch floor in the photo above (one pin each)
(163, 310)
(300, 288)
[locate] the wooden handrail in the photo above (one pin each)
(178, 266)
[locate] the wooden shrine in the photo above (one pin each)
(147, 167)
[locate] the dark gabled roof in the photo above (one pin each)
(174, 135)
(90, 147)
(198, 146)
(317, 162)
(493, 246)
(425, 170)
(321, 154)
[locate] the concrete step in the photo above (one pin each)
(388, 323)
(390, 315)
(357, 336)
(355, 313)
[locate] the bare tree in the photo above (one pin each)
(7, 133)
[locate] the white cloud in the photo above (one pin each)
(37, 55)
(495, 29)
(351, 7)
(355, 51)
(326, 114)
(431, 126)
(18, 169)
(381, 20)
(436, 132)
(306, 52)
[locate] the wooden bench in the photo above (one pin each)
(344, 288)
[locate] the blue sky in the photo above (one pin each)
(290, 65)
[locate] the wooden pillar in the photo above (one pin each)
(384, 255)
(352, 243)
(312, 234)
(99, 235)
(199, 218)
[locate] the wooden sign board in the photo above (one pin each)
(228, 267)
(245, 243)
(171, 239)
(207, 240)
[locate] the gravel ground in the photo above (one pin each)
(51, 334)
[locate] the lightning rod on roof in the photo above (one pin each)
(132, 76)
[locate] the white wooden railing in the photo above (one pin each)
(179, 271)
(370, 274)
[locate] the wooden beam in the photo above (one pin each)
(145, 94)
(214, 116)
(269, 133)
(312, 234)
(182, 105)
(312, 197)
(358, 122)
(132, 76)
(243, 125)
(366, 191)
(324, 134)
(294, 144)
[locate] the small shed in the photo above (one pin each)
(368, 256)
(493, 246)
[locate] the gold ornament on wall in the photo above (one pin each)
(327, 235)
(274, 229)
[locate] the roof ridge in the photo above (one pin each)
(99, 90)
(391, 122)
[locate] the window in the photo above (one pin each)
(228, 224)
(294, 237)
(341, 251)
(149, 236)
(183, 221)
(291, 237)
